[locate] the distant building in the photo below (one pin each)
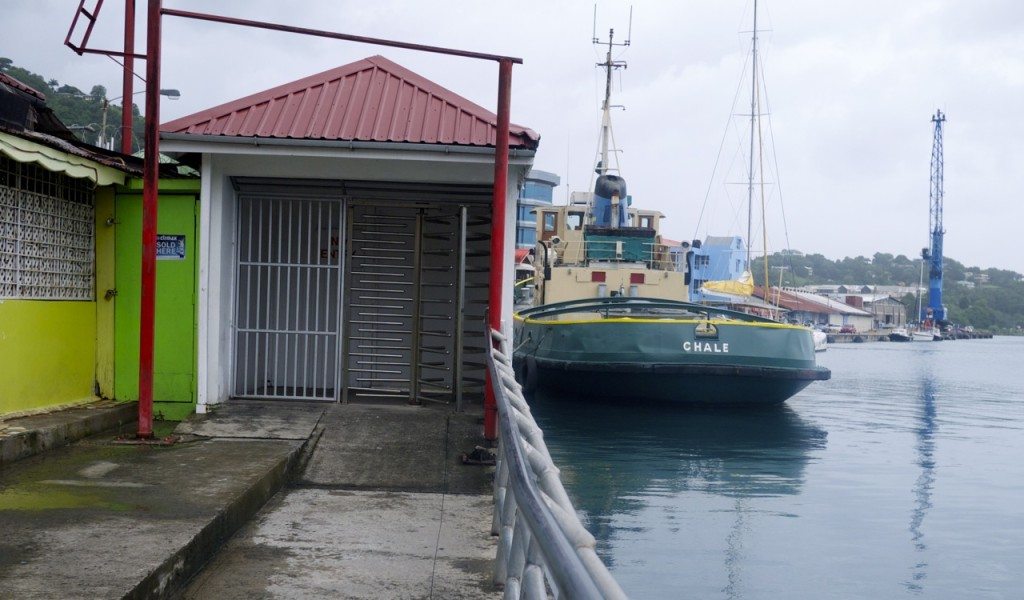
(719, 258)
(886, 311)
(814, 309)
(538, 190)
(840, 291)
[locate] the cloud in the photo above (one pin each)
(851, 89)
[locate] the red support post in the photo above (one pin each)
(498, 217)
(126, 80)
(150, 183)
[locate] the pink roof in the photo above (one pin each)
(371, 100)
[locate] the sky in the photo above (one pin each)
(849, 90)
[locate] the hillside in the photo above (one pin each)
(991, 299)
(80, 111)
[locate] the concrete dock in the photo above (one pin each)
(371, 502)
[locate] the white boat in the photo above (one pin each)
(820, 340)
(930, 334)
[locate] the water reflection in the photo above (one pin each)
(924, 435)
(615, 458)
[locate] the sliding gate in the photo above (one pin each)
(362, 301)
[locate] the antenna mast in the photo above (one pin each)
(608, 65)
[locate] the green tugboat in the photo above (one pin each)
(662, 350)
(612, 316)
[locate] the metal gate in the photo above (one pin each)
(369, 300)
(288, 292)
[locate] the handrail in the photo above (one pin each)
(635, 304)
(543, 550)
(657, 255)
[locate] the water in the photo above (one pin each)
(901, 477)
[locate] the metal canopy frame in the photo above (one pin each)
(155, 15)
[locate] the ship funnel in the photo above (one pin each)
(610, 202)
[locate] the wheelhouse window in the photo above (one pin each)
(574, 221)
(549, 225)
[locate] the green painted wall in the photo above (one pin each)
(104, 282)
(174, 368)
(54, 353)
(47, 353)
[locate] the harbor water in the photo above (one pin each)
(901, 477)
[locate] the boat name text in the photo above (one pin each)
(713, 347)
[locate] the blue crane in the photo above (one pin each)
(935, 312)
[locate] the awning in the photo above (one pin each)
(57, 161)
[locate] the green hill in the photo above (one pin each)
(81, 111)
(990, 299)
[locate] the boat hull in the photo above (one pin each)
(900, 336)
(667, 360)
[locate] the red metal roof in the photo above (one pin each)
(372, 100)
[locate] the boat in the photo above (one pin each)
(650, 349)
(924, 333)
(900, 334)
(820, 340)
(612, 316)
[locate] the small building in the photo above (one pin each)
(887, 312)
(809, 308)
(537, 191)
(56, 257)
(718, 258)
(344, 238)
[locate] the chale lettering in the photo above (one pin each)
(706, 347)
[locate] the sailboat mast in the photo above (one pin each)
(753, 124)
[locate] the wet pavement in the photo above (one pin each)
(385, 509)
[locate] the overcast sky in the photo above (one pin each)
(851, 87)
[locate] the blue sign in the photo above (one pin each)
(170, 247)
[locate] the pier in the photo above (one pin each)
(294, 500)
(883, 336)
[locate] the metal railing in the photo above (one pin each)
(654, 255)
(543, 550)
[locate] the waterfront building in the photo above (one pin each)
(718, 258)
(56, 251)
(816, 310)
(538, 190)
(323, 232)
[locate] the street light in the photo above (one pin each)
(103, 142)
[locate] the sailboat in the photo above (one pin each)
(612, 316)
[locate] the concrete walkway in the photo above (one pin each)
(384, 510)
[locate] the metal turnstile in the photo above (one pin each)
(412, 285)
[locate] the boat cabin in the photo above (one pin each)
(595, 249)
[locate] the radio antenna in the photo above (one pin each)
(609, 65)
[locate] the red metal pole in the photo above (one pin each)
(150, 181)
(126, 80)
(498, 229)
